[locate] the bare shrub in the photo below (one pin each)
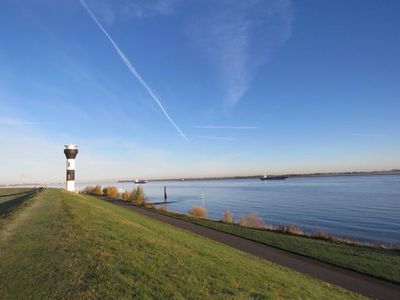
(126, 196)
(163, 208)
(137, 196)
(320, 234)
(111, 191)
(93, 190)
(97, 190)
(252, 220)
(87, 189)
(290, 229)
(198, 212)
(242, 221)
(148, 205)
(228, 217)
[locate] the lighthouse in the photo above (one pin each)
(70, 152)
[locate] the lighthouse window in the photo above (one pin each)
(69, 164)
(70, 174)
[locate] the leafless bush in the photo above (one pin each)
(252, 220)
(110, 191)
(163, 207)
(228, 217)
(320, 234)
(126, 196)
(93, 190)
(289, 229)
(198, 212)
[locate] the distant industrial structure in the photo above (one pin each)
(70, 152)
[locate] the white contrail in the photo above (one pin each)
(226, 127)
(133, 71)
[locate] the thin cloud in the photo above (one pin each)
(362, 134)
(151, 8)
(221, 138)
(110, 10)
(16, 122)
(226, 127)
(238, 37)
(134, 72)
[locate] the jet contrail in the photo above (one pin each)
(133, 71)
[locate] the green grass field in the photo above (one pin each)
(382, 263)
(63, 245)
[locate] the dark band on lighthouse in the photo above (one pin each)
(70, 153)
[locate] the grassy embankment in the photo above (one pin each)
(63, 245)
(378, 262)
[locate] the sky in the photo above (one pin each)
(187, 88)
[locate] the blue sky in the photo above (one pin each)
(221, 87)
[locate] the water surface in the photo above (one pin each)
(366, 208)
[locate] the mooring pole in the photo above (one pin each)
(165, 194)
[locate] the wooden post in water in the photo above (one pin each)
(165, 194)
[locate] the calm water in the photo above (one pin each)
(366, 208)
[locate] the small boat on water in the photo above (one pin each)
(138, 181)
(278, 177)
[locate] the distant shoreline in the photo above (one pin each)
(332, 174)
(391, 172)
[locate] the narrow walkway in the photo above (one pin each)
(353, 281)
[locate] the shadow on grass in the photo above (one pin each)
(7, 207)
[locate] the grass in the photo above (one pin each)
(70, 246)
(378, 262)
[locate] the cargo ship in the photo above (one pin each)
(278, 177)
(137, 181)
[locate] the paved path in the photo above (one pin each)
(359, 283)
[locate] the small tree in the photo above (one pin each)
(228, 217)
(137, 196)
(105, 191)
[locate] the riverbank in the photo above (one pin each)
(371, 260)
(64, 245)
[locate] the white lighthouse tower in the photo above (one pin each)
(70, 152)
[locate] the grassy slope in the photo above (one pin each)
(73, 246)
(381, 263)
